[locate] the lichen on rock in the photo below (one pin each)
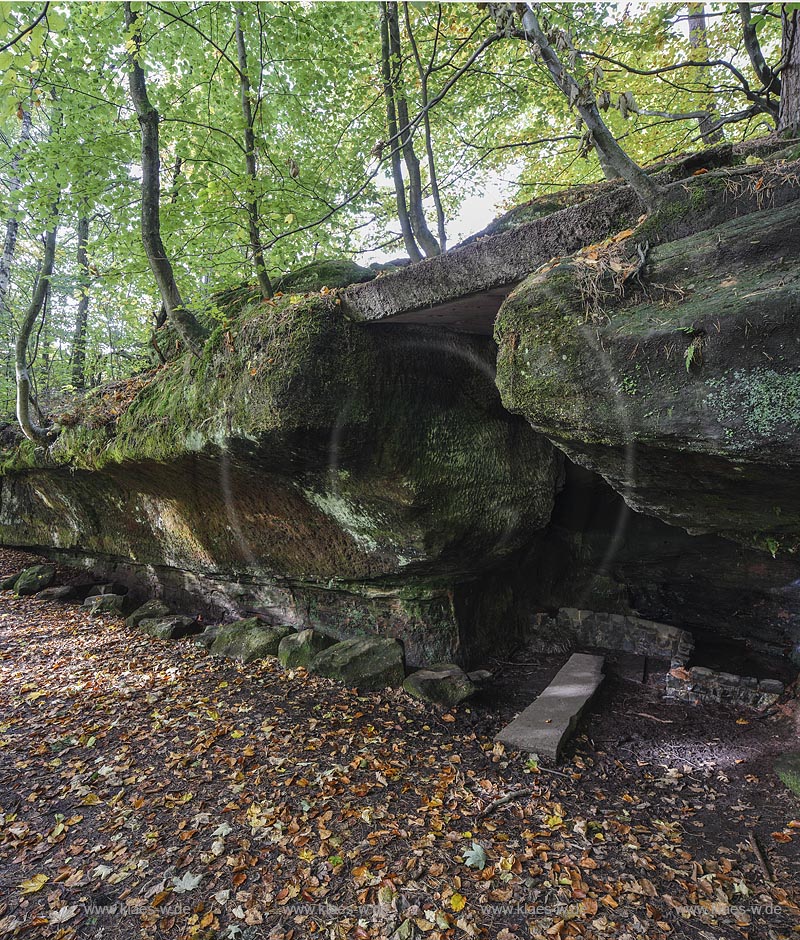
(683, 390)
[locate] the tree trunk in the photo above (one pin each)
(698, 40)
(12, 225)
(769, 80)
(416, 210)
(81, 315)
(604, 141)
(30, 428)
(423, 81)
(191, 332)
(394, 141)
(789, 114)
(264, 283)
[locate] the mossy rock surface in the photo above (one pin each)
(60, 592)
(7, 584)
(367, 663)
(349, 478)
(173, 627)
(298, 649)
(681, 388)
(787, 767)
(248, 640)
(34, 579)
(331, 273)
(99, 604)
(149, 610)
(440, 684)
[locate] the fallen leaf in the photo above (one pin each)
(33, 884)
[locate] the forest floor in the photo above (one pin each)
(150, 789)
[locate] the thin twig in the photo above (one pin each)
(506, 798)
(763, 862)
(662, 721)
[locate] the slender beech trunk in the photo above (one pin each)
(604, 141)
(30, 427)
(264, 283)
(81, 315)
(394, 141)
(789, 114)
(769, 80)
(12, 225)
(424, 97)
(416, 210)
(191, 332)
(698, 40)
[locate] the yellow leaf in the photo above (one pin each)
(289, 218)
(91, 799)
(237, 734)
(457, 902)
(33, 884)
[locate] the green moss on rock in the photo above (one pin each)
(330, 273)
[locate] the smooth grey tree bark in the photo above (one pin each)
(82, 312)
(710, 132)
(12, 224)
(30, 427)
(584, 101)
(394, 140)
(264, 283)
(424, 74)
(416, 210)
(769, 80)
(789, 113)
(189, 329)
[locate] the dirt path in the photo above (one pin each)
(148, 789)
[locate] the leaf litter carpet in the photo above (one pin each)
(148, 789)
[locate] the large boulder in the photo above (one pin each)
(323, 473)
(248, 640)
(674, 372)
(367, 663)
(34, 579)
(298, 649)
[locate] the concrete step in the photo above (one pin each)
(546, 725)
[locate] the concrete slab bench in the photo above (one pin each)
(546, 725)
